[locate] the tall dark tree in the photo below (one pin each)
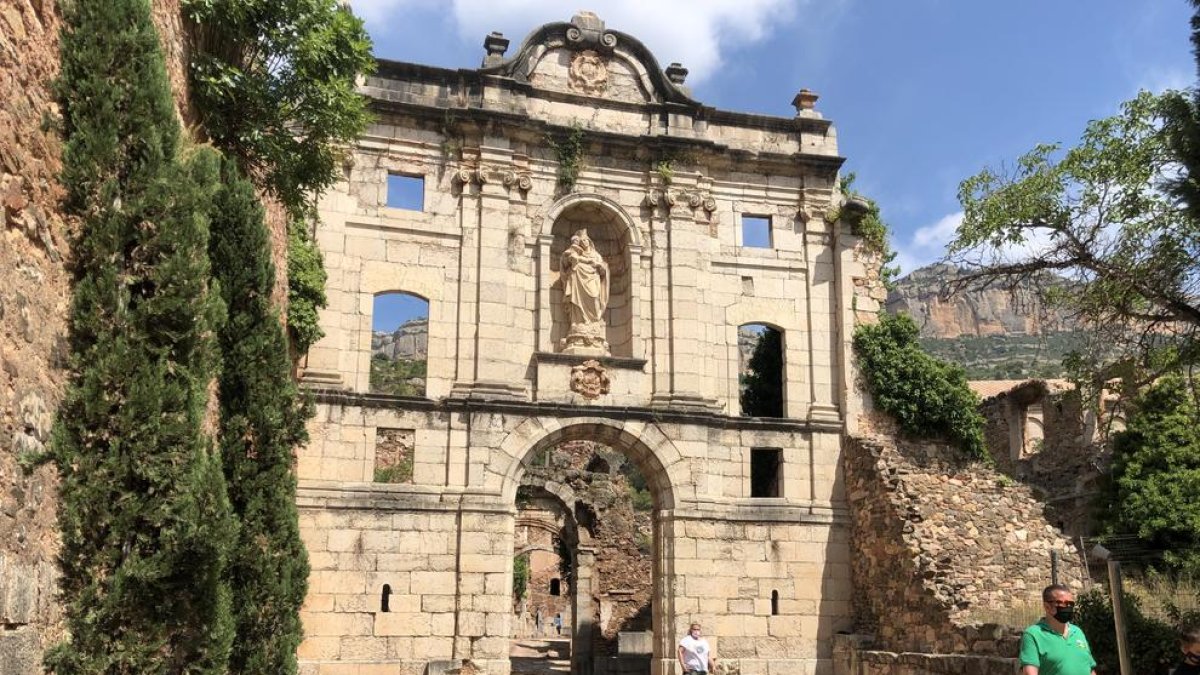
(1184, 126)
(262, 420)
(144, 515)
(762, 389)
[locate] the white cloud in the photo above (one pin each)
(1157, 80)
(927, 244)
(692, 32)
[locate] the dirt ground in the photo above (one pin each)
(547, 656)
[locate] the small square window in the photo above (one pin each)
(766, 472)
(756, 231)
(406, 192)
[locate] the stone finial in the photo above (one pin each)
(495, 44)
(805, 103)
(676, 73)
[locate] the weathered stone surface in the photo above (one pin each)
(409, 341)
(936, 539)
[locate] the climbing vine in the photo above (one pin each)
(873, 230)
(568, 149)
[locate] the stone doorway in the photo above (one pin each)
(592, 505)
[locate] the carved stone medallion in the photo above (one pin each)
(590, 379)
(589, 73)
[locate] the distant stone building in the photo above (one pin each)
(589, 240)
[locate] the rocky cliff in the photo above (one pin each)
(975, 313)
(409, 342)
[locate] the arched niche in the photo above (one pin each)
(617, 241)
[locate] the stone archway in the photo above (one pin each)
(586, 585)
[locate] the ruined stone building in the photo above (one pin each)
(584, 233)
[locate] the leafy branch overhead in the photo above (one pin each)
(274, 82)
(1100, 218)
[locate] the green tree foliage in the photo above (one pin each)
(144, 515)
(928, 397)
(1097, 215)
(1154, 486)
(1153, 642)
(520, 576)
(262, 421)
(306, 287)
(275, 85)
(762, 386)
(395, 376)
(1183, 126)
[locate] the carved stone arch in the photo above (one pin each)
(644, 444)
(585, 32)
(560, 206)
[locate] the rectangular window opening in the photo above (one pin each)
(766, 473)
(756, 231)
(406, 192)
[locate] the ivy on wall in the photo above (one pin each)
(927, 397)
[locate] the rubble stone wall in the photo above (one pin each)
(936, 540)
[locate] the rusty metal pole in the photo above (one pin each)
(1116, 591)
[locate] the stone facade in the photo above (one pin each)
(663, 186)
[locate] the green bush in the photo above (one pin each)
(762, 385)
(520, 576)
(928, 397)
(394, 376)
(1153, 643)
(306, 287)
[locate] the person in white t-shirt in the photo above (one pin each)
(694, 653)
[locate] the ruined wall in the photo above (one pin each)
(34, 299)
(853, 655)
(35, 304)
(936, 540)
(1063, 469)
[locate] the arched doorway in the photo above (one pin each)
(613, 489)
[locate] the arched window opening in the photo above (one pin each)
(555, 587)
(761, 370)
(774, 603)
(399, 344)
(385, 598)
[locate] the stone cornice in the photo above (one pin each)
(469, 84)
(703, 418)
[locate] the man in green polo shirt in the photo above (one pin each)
(1054, 645)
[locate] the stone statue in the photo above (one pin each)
(585, 292)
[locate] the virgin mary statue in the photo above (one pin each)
(585, 290)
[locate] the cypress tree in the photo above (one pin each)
(144, 515)
(262, 420)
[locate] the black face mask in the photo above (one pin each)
(1064, 614)
(1192, 659)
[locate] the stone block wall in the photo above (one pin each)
(854, 655)
(936, 540)
(449, 574)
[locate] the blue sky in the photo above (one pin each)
(924, 93)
